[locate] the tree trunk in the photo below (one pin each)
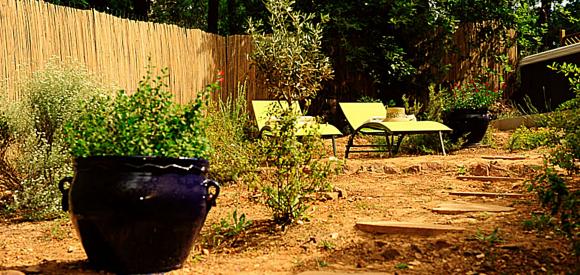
(212, 16)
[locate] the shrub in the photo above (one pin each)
(50, 98)
(234, 156)
(291, 59)
(428, 144)
(525, 138)
(146, 123)
(227, 231)
(551, 186)
(299, 169)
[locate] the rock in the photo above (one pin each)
(32, 270)
(390, 254)
(205, 251)
(328, 196)
(341, 192)
(334, 235)
(480, 170)
(415, 263)
(388, 169)
(433, 166)
(440, 244)
(11, 272)
(413, 169)
(71, 249)
(480, 256)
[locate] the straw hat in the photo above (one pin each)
(398, 114)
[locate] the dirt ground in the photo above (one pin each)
(404, 188)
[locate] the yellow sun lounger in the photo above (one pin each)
(368, 119)
(261, 108)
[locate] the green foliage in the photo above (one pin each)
(567, 121)
(428, 144)
(228, 230)
(291, 55)
(554, 194)
(294, 67)
(327, 245)
(233, 156)
(478, 93)
(402, 266)
(525, 138)
(539, 222)
(299, 169)
(146, 123)
(490, 239)
(550, 185)
(50, 97)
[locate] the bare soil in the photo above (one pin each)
(374, 188)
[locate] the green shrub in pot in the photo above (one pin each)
(140, 195)
(146, 123)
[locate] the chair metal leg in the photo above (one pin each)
(442, 144)
(334, 145)
(399, 141)
(348, 145)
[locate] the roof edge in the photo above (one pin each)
(547, 55)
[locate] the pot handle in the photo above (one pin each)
(64, 191)
(212, 196)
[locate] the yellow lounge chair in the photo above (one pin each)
(367, 118)
(261, 108)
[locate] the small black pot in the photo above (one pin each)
(138, 214)
(469, 124)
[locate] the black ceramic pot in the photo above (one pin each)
(468, 124)
(138, 214)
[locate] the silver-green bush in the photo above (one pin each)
(49, 98)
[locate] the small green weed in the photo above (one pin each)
(327, 245)
(539, 222)
(402, 266)
(322, 263)
(490, 239)
(461, 170)
(228, 230)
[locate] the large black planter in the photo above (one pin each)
(138, 214)
(468, 124)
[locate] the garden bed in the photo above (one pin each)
(402, 189)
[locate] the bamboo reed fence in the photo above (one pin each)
(32, 32)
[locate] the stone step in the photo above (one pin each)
(488, 194)
(465, 207)
(505, 157)
(488, 178)
(391, 227)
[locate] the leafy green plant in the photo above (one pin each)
(490, 239)
(553, 193)
(299, 169)
(427, 144)
(233, 156)
(327, 245)
(525, 138)
(291, 54)
(291, 59)
(539, 222)
(550, 185)
(402, 266)
(478, 93)
(50, 97)
(146, 123)
(228, 230)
